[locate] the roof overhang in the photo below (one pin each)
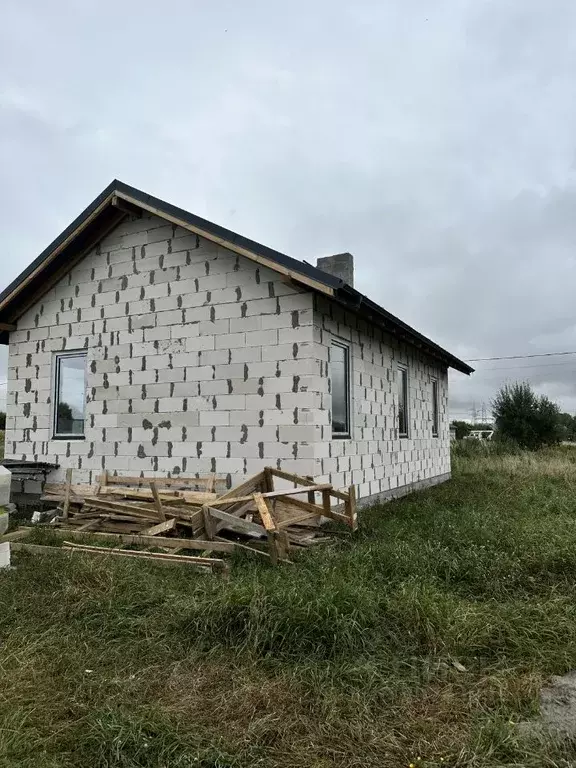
(119, 200)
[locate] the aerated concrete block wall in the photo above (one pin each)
(199, 361)
(379, 463)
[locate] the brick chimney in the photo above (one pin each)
(340, 265)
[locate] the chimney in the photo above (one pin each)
(340, 265)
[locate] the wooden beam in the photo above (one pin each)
(264, 512)
(273, 265)
(148, 541)
(163, 481)
(221, 500)
(19, 533)
(210, 562)
(237, 522)
(157, 501)
(166, 525)
(7, 327)
(321, 511)
(124, 205)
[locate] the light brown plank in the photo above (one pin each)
(210, 562)
(237, 522)
(150, 541)
(165, 525)
(264, 512)
(268, 495)
(157, 500)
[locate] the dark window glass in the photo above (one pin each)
(402, 402)
(340, 373)
(69, 394)
(434, 408)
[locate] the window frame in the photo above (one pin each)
(346, 435)
(435, 408)
(58, 357)
(403, 369)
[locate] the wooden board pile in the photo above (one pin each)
(193, 513)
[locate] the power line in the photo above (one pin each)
(525, 367)
(518, 357)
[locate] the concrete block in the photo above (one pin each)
(5, 480)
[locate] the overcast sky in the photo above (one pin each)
(434, 139)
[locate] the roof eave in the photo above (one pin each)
(361, 304)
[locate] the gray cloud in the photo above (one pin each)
(433, 140)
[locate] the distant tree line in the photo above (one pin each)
(524, 418)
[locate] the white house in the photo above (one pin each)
(147, 340)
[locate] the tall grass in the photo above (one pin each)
(345, 659)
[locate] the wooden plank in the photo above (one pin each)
(284, 511)
(273, 547)
(237, 522)
(7, 327)
(127, 207)
(255, 550)
(91, 524)
(148, 513)
(39, 549)
(290, 476)
(208, 523)
(19, 533)
(66, 508)
(189, 497)
(269, 495)
(297, 518)
(237, 512)
(210, 562)
(268, 480)
(342, 495)
(157, 500)
(166, 525)
(264, 511)
(222, 545)
(315, 510)
(311, 494)
(162, 482)
(235, 247)
(326, 503)
(249, 486)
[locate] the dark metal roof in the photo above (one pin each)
(105, 218)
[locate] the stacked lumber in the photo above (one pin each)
(183, 513)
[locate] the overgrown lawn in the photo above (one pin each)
(353, 657)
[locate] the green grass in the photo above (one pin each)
(345, 659)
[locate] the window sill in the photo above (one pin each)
(68, 438)
(340, 436)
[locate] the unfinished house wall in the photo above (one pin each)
(199, 361)
(375, 459)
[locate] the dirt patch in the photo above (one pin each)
(557, 709)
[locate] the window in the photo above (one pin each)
(435, 413)
(340, 377)
(69, 394)
(402, 402)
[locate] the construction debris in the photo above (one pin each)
(188, 513)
